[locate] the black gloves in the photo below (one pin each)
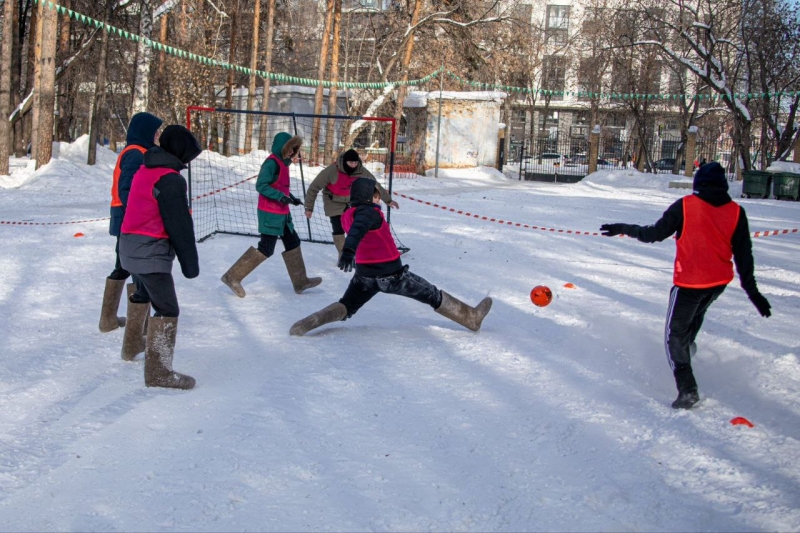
(290, 199)
(347, 261)
(610, 230)
(761, 303)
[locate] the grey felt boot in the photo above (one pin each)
(332, 313)
(241, 268)
(133, 342)
(297, 271)
(338, 241)
(109, 321)
(461, 313)
(161, 334)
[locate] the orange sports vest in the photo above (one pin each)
(703, 258)
(115, 201)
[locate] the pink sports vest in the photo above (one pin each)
(342, 185)
(143, 216)
(282, 184)
(377, 246)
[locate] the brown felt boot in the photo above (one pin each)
(158, 371)
(332, 313)
(338, 241)
(461, 313)
(133, 342)
(131, 290)
(109, 321)
(241, 268)
(297, 271)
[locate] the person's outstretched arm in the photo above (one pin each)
(670, 223)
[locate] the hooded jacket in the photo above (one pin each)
(159, 225)
(284, 146)
(333, 204)
(141, 132)
(368, 233)
(712, 189)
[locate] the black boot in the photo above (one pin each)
(687, 387)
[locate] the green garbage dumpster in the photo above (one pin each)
(756, 184)
(786, 186)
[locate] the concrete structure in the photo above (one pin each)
(468, 136)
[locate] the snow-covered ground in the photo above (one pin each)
(553, 418)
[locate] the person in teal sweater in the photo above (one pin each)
(274, 220)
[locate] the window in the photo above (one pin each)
(555, 73)
(557, 26)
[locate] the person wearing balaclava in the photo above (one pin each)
(157, 229)
(711, 229)
(335, 181)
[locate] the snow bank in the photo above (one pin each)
(784, 166)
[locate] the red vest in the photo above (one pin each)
(703, 258)
(377, 246)
(342, 185)
(115, 201)
(282, 184)
(143, 216)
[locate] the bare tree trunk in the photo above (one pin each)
(99, 94)
(5, 86)
(330, 147)
(403, 90)
(32, 75)
(16, 81)
(251, 88)
(144, 55)
(162, 56)
(64, 92)
(42, 149)
(323, 63)
(226, 131)
(262, 132)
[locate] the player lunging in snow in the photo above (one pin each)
(370, 248)
(710, 228)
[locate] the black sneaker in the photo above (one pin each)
(686, 400)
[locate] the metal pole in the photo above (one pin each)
(439, 125)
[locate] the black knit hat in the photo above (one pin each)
(180, 142)
(710, 176)
(350, 155)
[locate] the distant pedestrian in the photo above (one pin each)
(711, 229)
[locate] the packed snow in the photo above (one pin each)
(554, 418)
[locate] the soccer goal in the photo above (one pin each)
(222, 180)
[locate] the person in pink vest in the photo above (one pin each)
(370, 249)
(334, 181)
(158, 228)
(711, 230)
(274, 220)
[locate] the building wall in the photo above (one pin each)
(469, 129)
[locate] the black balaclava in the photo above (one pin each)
(350, 155)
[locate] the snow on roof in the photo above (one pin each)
(416, 99)
(784, 166)
(475, 95)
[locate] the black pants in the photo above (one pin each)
(159, 290)
(336, 225)
(289, 239)
(404, 283)
(118, 273)
(687, 309)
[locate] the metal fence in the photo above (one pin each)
(554, 159)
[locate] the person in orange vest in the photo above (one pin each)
(142, 133)
(711, 229)
(158, 228)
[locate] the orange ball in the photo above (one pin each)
(541, 296)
